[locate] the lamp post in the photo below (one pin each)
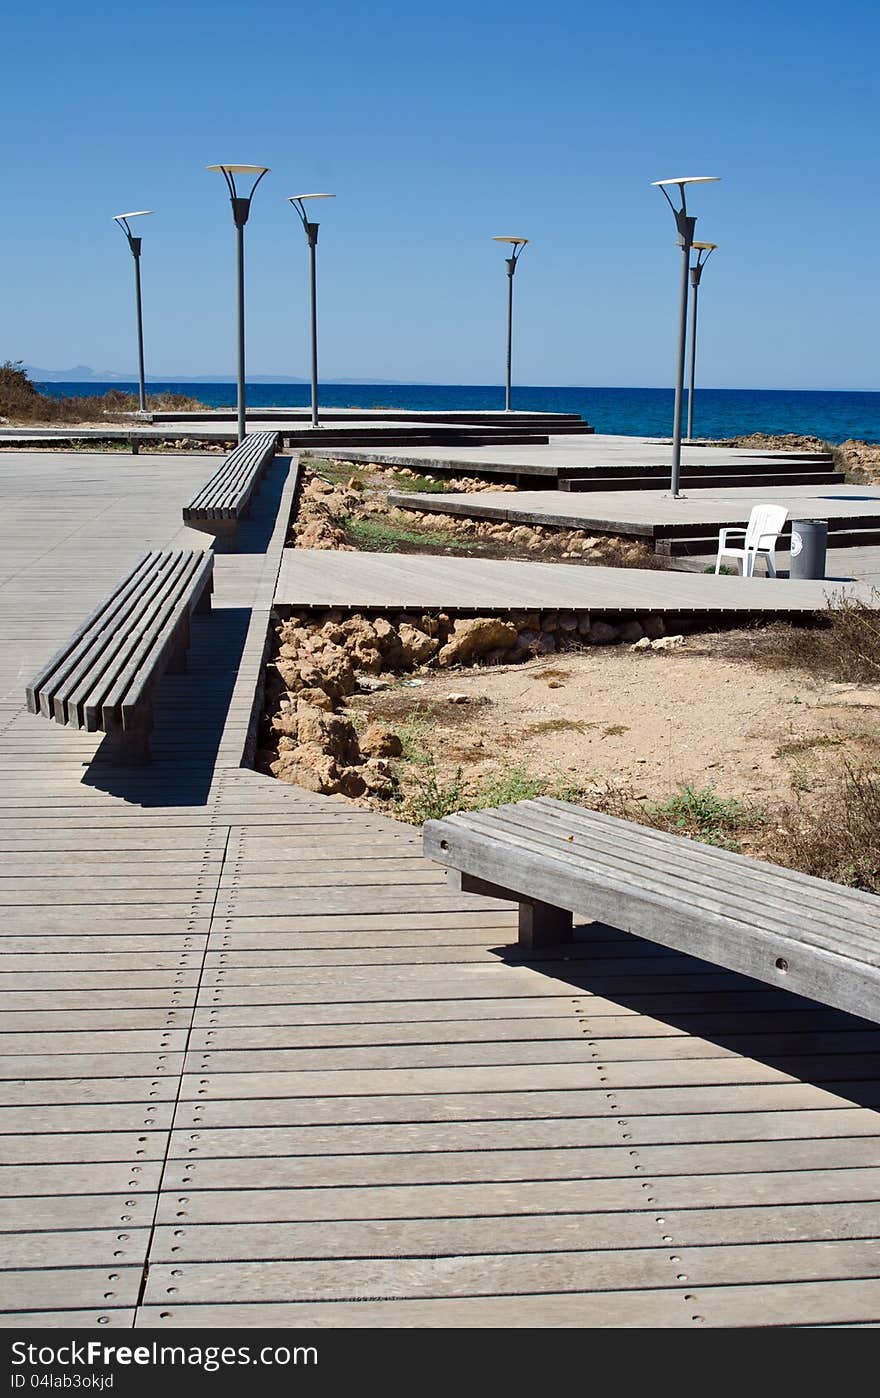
(135, 244)
(241, 207)
(518, 245)
(686, 225)
(696, 274)
(311, 232)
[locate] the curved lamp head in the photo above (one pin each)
(682, 181)
(122, 220)
(298, 202)
(687, 179)
(241, 203)
(704, 251)
(518, 245)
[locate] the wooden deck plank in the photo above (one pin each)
(383, 581)
(493, 1275)
(468, 1235)
(839, 1302)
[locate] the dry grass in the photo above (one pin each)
(839, 841)
(22, 402)
(842, 644)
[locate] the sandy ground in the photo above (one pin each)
(645, 721)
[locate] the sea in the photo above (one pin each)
(833, 416)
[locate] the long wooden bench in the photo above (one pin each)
(103, 678)
(226, 497)
(803, 934)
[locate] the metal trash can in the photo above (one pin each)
(809, 540)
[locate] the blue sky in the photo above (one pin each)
(437, 128)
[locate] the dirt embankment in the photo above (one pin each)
(343, 507)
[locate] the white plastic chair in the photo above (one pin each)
(759, 537)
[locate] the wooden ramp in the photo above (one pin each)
(480, 584)
(263, 1068)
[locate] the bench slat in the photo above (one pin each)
(108, 649)
(39, 698)
(842, 971)
(102, 676)
(149, 646)
(758, 901)
(726, 863)
(144, 676)
(225, 497)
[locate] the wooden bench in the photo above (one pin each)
(803, 934)
(225, 498)
(102, 679)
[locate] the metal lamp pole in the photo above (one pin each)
(241, 207)
(311, 232)
(696, 274)
(686, 225)
(135, 244)
(518, 245)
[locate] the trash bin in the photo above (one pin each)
(809, 540)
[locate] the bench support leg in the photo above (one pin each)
(203, 606)
(127, 748)
(542, 925)
(177, 656)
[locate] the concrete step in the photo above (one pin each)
(843, 536)
(624, 481)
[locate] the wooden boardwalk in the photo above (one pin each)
(480, 584)
(262, 1067)
(577, 455)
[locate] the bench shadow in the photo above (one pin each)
(189, 716)
(255, 530)
(812, 1042)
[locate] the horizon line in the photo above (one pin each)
(265, 380)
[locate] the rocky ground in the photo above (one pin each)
(342, 507)
(860, 460)
(324, 660)
(416, 715)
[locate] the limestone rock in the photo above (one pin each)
(602, 634)
(379, 741)
(316, 698)
(473, 637)
(309, 768)
(415, 647)
(376, 778)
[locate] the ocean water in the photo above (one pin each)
(718, 412)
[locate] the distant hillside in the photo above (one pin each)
(82, 373)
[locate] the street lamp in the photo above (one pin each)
(311, 232)
(686, 225)
(135, 244)
(518, 245)
(696, 274)
(241, 207)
